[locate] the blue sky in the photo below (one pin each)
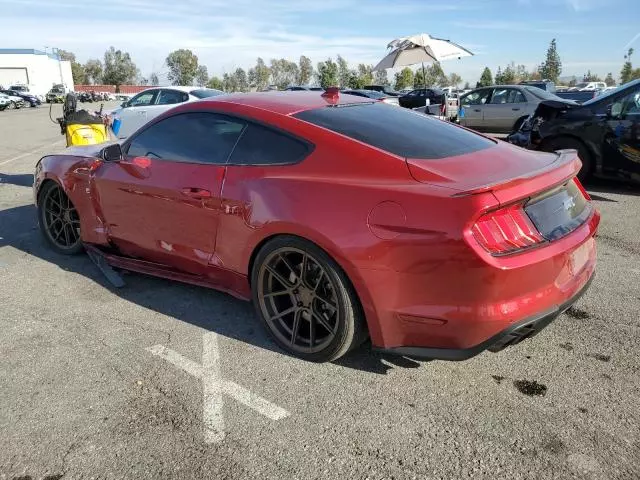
(591, 34)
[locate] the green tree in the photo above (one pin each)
(486, 78)
(551, 68)
(466, 86)
(573, 82)
(609, 80)
(591, 77)
(259, 75)
(328, 73)
(77, 70)
(215, 82)
(240, 80)
(381, 78)
(628, 73)
(365, 74)
(202, 76)
(119, 68)
(343, 72)
(93, 71)
(404, 79)
(305, 71)
(283, 72)
(506, 76)
(419, 78)
(153, 79)
(229, 83)
(454, 80)
(183, 67)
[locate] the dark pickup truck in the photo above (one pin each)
(578, 96)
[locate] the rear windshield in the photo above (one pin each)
(206, 93)
(542, 94)
(398, 131)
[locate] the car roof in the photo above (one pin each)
(286, 103)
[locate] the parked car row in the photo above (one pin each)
(10, 102)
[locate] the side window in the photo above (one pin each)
(142, 99)
(169, 97)
(507, 95)
(477, 98)
(262, 146)
(516, 96)
(631, 103)
(195, 137)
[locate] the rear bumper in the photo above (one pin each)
(511, 335)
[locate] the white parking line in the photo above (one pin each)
(26, 154)
(214, 387)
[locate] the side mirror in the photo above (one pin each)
(112, 153)
(124, 104)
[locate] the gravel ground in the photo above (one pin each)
(81, 396)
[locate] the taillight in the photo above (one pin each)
(506, 230)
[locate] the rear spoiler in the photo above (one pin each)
(566, 166)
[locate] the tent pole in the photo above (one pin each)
(424, 76)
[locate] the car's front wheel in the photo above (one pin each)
(59, 220)
(13, 106)
(306, 301)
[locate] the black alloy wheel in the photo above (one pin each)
(59, 220)
(306, 301)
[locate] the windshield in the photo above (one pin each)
(398, 131)
(206, 93)
(609, 93)
(543, 94)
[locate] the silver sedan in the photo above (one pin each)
(501, 108)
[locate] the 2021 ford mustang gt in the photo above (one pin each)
(339, 217)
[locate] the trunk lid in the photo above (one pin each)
(507, 171)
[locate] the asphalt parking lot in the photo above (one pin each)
(163, 380)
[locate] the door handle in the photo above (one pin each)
(197, 193)
(515, 109)
(477, 110)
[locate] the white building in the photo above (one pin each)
(39, 70)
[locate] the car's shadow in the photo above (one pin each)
(21, 180)
(205, 308)
(599, 189)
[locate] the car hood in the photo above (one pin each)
(482, 169)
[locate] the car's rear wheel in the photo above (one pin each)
(585, 156)
(59, 220)
(305, 300)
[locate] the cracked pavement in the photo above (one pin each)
(80, 397)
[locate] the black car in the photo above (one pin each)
(29, 99)
(418, 97)
(605, 131)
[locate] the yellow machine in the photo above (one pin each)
(81, 127)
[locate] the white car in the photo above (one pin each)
(154, 101)
(12, 101)
(4, 102)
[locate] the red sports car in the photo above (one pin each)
(340, 217)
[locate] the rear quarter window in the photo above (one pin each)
(398, 131)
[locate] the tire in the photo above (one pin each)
(518, 124)
(322, 302)
(58, 220)
(585, 156)
(13, 106)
